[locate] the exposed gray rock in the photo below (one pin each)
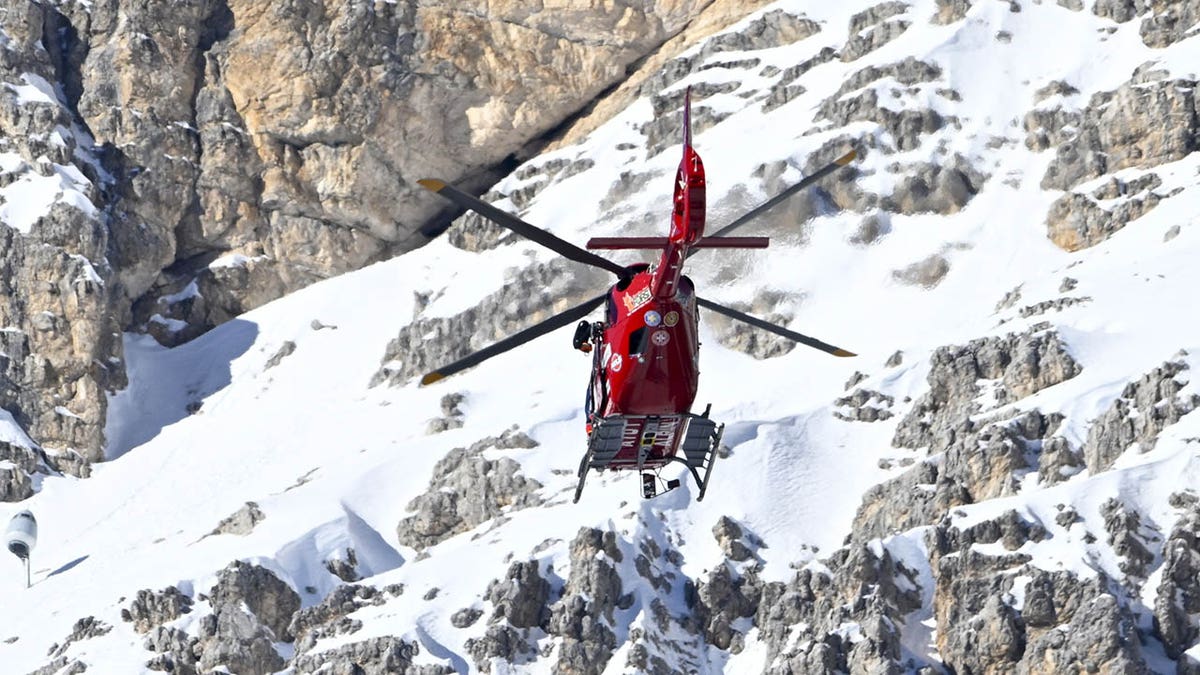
(628, 183)
(1119, 10)
(980, 630)
(908, 72)
(950, 11)
(502, 642)
(271, 601)
(786, 88)
(750, 340)
(534, 293)
(468, 489)
(666, 130)
(344, 567)
(285, 350)
(857, 377)
(1102, 636)
(61, 341)
(242, 522)
(16, 479)
(736, 543)
(62, 666)
(943, 188)
(1171, 22)
(880, 34)
(1077, 221)
(177, 651)
(1010, 298)
(773, 29)
(150, 609)
(1054, 88)
(1178, 593)
(583, 618)
(1022, 363)
(1125, 535)
(804, 622)
(452, 414)
(925, 273)
(905, 127)
(378, 656)
(472, 232)
(84, 629)
(521, 597)
(864, 405)
(722, 598)
(1055, 305)
(235, 640)
(1143, 410)
(1058, 461)
(919, 496)
(871, 228)
(330, 618)
(1121, 129)
(859, 46)
(1068, 284)
(982, 456)
(465, 617)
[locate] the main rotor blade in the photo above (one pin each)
(533, 233)
(772, 202)
(778, 330)
(553, 323)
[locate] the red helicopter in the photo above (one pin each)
(645, 353)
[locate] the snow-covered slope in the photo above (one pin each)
(278, 408)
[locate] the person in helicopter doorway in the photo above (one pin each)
(589, 338)
(587, 333)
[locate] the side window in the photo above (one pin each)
(635, 341)
(610, 309)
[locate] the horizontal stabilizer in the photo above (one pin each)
(612, 243)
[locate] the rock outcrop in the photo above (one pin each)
(532, 294)
(1139, 415)
(1178, 592)
(583, 619)
(468, 489)
(978, 456)
(1118, 129)
(151, 609)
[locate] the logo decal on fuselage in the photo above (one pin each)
(616, 363)
(636, 300)
(671, 319)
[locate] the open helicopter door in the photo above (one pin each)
(649, 442)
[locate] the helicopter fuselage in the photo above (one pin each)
(650, 356)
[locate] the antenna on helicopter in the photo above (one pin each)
(21, 537)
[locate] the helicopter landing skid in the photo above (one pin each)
(649, 442)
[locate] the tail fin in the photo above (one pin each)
(687, 220)
(687, 120)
